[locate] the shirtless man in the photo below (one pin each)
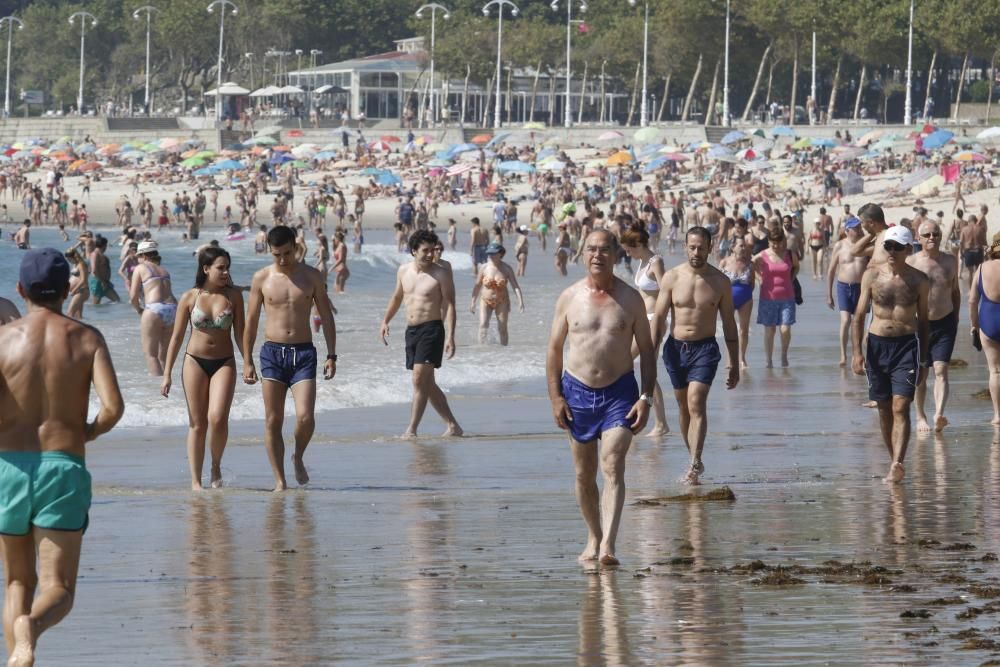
(599, 317)
(99, 280)
(695, 294)
(478, 240)
(896, 361)
(796, 244)
(427, 290)
(288, 290)
(972, 241)
(846, 269)
(871, 244)
(22, 237)
(8, 311)
(47, 364)
(943, 303)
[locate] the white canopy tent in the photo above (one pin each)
(228, 88)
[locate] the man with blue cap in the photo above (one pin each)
(845, 271)
(47, 364)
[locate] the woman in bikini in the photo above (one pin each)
(79, 291)
(157, 306)
(521, 249)
(215, 311)
(817, 243)
(738, 269)
(340, 262)
(635, 242)
(490, 290)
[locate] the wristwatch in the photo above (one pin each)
(647, 398)
(332, 357)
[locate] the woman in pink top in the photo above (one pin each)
(777, 268)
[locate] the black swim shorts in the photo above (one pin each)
(891, 365)
(425, 344)
(942, 339)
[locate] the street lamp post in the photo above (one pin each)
(249, 58)
(908, 105)
(643, 109)
(434, 7)
(148, 9)
(222, 5)
(312, 57)
(486, 12)
(725, 76)
(11, 21)
(568, 115)
(83, 16)
(812, 91)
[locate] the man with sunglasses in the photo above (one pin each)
(943, 303)
(896, 352)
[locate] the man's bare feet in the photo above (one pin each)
(590, 553)
(940, 422)
(280, 486)
(301, 475)
(744, 365)
(196, 486)
(691, 478)
(923, 426)
(869, 404)
(896, 473)
(216, 477)
(454, 431)
(23, 654)
(609, 560)
(408, 434)
(843, 362)
(659, 431)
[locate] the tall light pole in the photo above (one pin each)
(83, 16)
(568, 115)
(725, 76)
(486, 12)
(249, 58)
(312, 56)
(446, 14)
(222, 5)
(148, 9)
(11, 21)
(908, 105)
(812, 92)
(643, 113)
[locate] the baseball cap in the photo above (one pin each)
(852, 222)
(147, 247)
(494, 249)
(899, 234)
(44, 273)
(523, 229)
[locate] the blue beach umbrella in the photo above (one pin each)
(783, 131)
(388, 178)
(229, 165)
(937, 139)
(655, 164)
(823, 143)
(371, 171)
(732, 137)
(515, 166)
(497, 138)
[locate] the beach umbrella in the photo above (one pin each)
(989, 133)
(278, 158)
(927, 188)
(344, 164)
(86, 149)
(720, 151)
(261, 141)
(621, 157)
(914, 179)
(381, 146)
(649, 149)
(676, 157)
(460, 169)
(544, 154)
(732, 137)
(298, 164)
(611, 135)
(515, 166)
(108, 149)
(229, 165)
(848, 152)
(20, 155)
(462, 148)
(937, 139)
(89, 166)
(282, 148)
(304, 150)
(497, 138)
(822, 142)
(189, 153)
(481, 139)
(747, 154)
(169, 142)
(371, 171)
(439, 163)
(390, 139)
(782, 131)
(133, 155)
(757, 165)
(552, 165)
(423, 140)
(655, 164)
(867, 137)
(757, 132)
(647, 135)
(193, 162)
(388, 178)
(208, 155)
(533, 126)
(801, 144)
(436, 147)
(268, 129)
(324, 155)
(210, 170)
(969, 156)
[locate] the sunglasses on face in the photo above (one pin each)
(935, 235)
(892, 246)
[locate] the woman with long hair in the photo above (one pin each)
(738, 268)
(214, 309)
(635, 240)
(777, 268)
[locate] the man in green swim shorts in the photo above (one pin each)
(47, 364)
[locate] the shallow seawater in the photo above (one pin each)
(464, 551)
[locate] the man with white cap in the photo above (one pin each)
(896, 353)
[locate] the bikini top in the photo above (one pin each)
(642, 279)
(743, 277)
(203, 321)
(495, 284)
(154, 276)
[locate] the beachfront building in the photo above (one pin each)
(385, 86)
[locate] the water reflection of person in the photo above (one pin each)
(602, 628)
(293, 570)
(212, 604)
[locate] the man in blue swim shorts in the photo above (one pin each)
(697, 294)
(845, 271)
(944, 302)
(895, 358)
(47, 364)
(288, 358)
(593, 389)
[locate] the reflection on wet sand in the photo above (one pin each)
(213, 608)
(602, 626)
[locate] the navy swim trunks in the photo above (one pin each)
(848, 295)
(690, 361)
(942, 339)
(288, 363)
(891, 365)
(597, 410)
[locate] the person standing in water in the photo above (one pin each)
(635, 241)
(592, 386)
(845, 271)
(287, 290)
(47, 364)
(214, 308)
(984, 316)
(428, 292)
(896, 356)
(158, 307)
(739, 269)
(696, 294)
(490, 289)
(943, 303)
